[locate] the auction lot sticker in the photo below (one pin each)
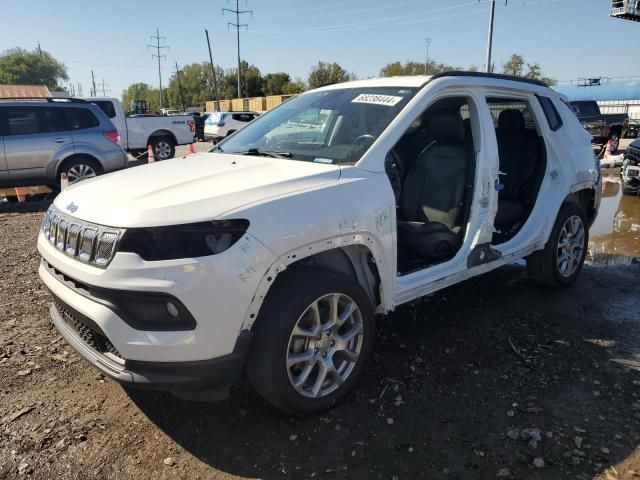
(388, 100)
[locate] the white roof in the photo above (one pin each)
(400, 81)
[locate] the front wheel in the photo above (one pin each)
(561, 261)
(312, 340)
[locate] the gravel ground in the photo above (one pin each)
(493, 378)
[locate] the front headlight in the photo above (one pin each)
(183, 241)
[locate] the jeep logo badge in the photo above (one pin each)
(72, 207)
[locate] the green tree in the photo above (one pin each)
(276, 83)
(516, 66)
(294, 87)
(20, 67)
(197, 86)
(415, 68)
(325, 73)
(141, 91)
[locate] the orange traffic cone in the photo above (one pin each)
(150, 156)
(64, 181)
(192, 148)
(21, 193)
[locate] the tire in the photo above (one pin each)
(164, 148)
(545, 266)
(630, 191)
(79, 169)
(290, 304)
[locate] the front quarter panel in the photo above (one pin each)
(359, 209)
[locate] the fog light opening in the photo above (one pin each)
(172, 310)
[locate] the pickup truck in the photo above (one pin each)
(602, 127)
(137, 132)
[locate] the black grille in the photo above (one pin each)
(90, 334)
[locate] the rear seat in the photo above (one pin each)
(518, 150)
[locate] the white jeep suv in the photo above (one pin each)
(273, 253)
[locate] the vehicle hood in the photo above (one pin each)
(196, 188)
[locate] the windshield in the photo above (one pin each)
(331, 126)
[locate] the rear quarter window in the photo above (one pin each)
(551, 113)
(107, 107)
(79, 118)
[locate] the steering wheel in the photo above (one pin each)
(366, 136)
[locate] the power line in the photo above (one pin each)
(158, 48)
(238, 25)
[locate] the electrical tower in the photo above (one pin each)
(238, 25)
(104, 88)
(159, 48)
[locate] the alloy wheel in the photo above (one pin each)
(163, 150)
(571, 247)
(324, 345)
(80, 172)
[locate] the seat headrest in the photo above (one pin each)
(511, 121)
(446, 126)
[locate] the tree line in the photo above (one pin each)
(22, 67)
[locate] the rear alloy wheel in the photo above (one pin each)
(559, 264)
(81, 169)
(312, 340)
(164, 148)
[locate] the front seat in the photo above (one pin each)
(433, 191)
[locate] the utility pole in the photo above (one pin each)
(158, 48)
(426, 63)
(104, 89)
(79, 89)
(492, 14)
(238, 25)
(93, 81)
(184, 108)
(213, 73)
(39, 50)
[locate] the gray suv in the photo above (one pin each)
(39, 140)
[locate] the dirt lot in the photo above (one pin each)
(495, 378)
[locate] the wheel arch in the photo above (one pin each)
(586, 199)
(162, 133)
(355, 256)
(70, 158)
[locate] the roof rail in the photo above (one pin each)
(43, 99)
(498, 76)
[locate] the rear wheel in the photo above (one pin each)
(312, 340)
(561, 261)
(81, 168)
(164, 148)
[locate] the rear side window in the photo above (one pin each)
(504, 109)
(79, 118)
(107, 107)
(550, 111)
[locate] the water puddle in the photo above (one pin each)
(615, 235)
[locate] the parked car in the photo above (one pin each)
(273, 254)
(222, 124)
(602, 127)
(42, 138)
(137, 132)
(630, 172)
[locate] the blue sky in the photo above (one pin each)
(569, 38)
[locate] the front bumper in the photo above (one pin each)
(194, 376)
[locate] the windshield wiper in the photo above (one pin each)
(264, 153)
